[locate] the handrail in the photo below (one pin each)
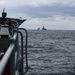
(26, 49)
(21, 47)
(7, 55)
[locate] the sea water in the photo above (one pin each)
(51, 52)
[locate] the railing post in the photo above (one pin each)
(25, 49)
(21, 50)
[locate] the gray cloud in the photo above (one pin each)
(40, 8)
(54, 14)
(46, 10)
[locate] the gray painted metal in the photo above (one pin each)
(11, 43)
(25, 49)
(7, 55)
(21, 48)
(13, 52)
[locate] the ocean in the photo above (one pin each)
(51, 52)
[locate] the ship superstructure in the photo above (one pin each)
(13, 57)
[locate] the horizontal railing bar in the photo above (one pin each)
(7, 55)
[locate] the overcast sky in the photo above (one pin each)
(53, 14)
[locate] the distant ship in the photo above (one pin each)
(44, 28)
(38, 28)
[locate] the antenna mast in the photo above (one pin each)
(4, 14)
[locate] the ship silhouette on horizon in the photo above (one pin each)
(42, 28)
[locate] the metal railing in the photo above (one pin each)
(21, 48)
(10, 50)
(25, 49)
(7, 55)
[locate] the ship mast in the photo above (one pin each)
(4, 14)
